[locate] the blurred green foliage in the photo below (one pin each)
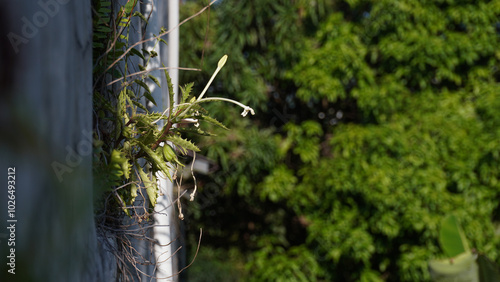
(211, 265)
(375, 120)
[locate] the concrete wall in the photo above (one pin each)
(46, 125)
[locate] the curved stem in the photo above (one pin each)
(246, 109)
(221, 63)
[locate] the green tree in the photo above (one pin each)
(375, 120)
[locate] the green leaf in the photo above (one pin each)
(212, 121)
(156, 159)
(104, 10)
(144, 121)
(143, 85)
(452, 238)
(145, 52)
(195, 130)
(104, 103)
(124, 22)
(122, 103)
(155, 116)
(152, 191)
(130, 93)
(104, 29)
(184, 143)
(137, 14)
(119, 166)
(186, 91)
(170, 155)
(136, 52)
(130, 102)
(100, 37)
(155, 80)
(133, 186)
(129, 6)
(145, 128)
(147, 92)
(147, 136)
(140, 105)
(150, 185)
(124, 207)
(194, 108)
(170, 91)
(150, 97)
(116, 73)
(120, 45)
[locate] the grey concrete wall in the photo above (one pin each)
(46, 125)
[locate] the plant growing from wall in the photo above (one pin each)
(133, 145)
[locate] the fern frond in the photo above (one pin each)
(184, 143)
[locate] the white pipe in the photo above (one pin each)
(173, 44)
(161, 231)
(165, 219)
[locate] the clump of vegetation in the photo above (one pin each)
(376, 120)
(134, 146)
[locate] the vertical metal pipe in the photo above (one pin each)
(165, 229)
(173, 43)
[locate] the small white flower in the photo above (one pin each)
(190, 120)
(246, 110)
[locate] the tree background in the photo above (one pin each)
(374, 120)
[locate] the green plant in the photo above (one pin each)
(380, 119)
(133, 141)
(133, 145)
